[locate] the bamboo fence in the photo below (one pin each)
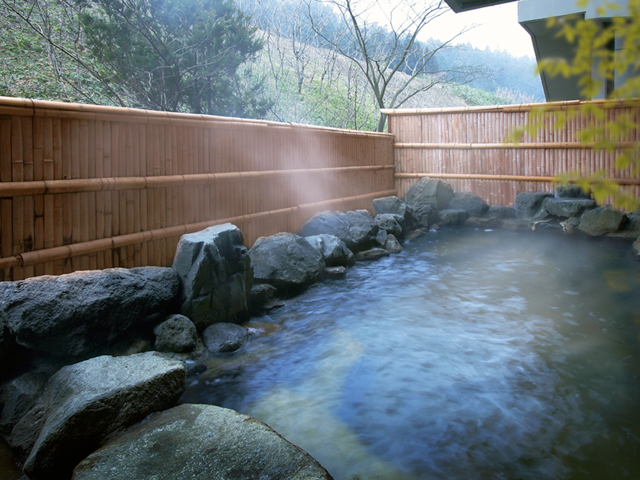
(466, 147)
(89, 187)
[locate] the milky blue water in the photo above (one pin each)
(470, 355)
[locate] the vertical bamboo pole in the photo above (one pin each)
(122, 197)
(99, 173)
(162, 207)
(107, 171)
(49, 201)
(91, 196)
(144, 226)
(38, 175)
(6, 204)
(29, 201)
(151, 194)
(115, 195)
(130, 203)
(17, 175)
(75, 198)
(83, 198)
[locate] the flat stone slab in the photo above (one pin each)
(200, 441)
(568, 207)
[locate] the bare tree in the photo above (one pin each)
(381, 52)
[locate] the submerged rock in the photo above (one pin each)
(216, 275)
(224, 337)
(335, 272)
(201, 441)
(430, 190)
(82, 312)
(372, 254)
(83, 404)
(286, 261)
(484, 222)
(601, 220)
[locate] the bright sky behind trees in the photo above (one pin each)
(498, 28)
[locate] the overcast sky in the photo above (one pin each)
(497, 28)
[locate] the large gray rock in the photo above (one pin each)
(224, 337)
(216, 277)
(83, 404)
(528, 204)
(430, 190)
(389, 222)
(392, 205)
(453, 217)
(568, 207)
(636, 247)
(201, 441)
(472, 203)
(601, 220)
(333, 250)
(176, 334)
(501, 212)
(424, 214)
(356, 229)
(286, 261)
(83, 312)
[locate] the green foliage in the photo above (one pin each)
(176, 56)
(34, 36)
(594, 53)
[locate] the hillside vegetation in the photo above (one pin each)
(47, 54)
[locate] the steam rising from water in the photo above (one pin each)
(472, 357)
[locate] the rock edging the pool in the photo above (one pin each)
(89, 382)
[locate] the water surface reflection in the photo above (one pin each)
(472, 355)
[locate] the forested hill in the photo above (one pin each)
(273, 59)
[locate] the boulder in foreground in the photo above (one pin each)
(286, 261)
(601, 220)
(83, 312)
(201, 441)
(215, 272)
(83, 404)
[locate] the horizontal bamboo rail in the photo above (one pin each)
(525, 107)
(508, 146)
(509, 178)
(50, 187)
(68, 251)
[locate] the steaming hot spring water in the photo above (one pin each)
(470, 355)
